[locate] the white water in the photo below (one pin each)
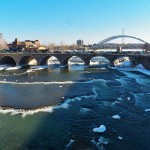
(125, 66)
(49, 109)
(56, 82)
(13, 68)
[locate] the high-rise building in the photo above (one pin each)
(80, 42)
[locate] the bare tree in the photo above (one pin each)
(63, 46)
(51, 46)
(72, 46)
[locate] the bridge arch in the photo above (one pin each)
(65, 61)
(99, 60)
(44, 60)
(119, 59)
(75, 60)
(28, 60)
(116, 37)
(7, 60)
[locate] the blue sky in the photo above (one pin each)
(68, 20)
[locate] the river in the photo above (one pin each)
(58, 108)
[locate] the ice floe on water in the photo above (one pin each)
(97, 145)
(128, 98)
(120, 137)
(69, 145)
(147, 110)
(103, 140)
(116, 117)
(119, 98)
(100, 129)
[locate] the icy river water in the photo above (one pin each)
(63, 109)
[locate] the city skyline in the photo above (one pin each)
(66, 21)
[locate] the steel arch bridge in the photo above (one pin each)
(116, 37)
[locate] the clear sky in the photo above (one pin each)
(68, 20)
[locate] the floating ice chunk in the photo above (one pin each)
(101, 129)
(103, 140)
(147, 110)
(69, 144)
(63, 97)
(4, 79)
(119, 98)
(29, 70)
(97, 145)
(13, 68)
(60, 86)
(16, 80)
(128, 98)
(116, 117)
(120, 138)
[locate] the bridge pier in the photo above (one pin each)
(145, 62)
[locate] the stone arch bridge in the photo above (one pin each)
(41, 58)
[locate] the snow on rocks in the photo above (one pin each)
(116, 117)
(100, 129)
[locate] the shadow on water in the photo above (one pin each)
(63, 126)
(45, 130)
